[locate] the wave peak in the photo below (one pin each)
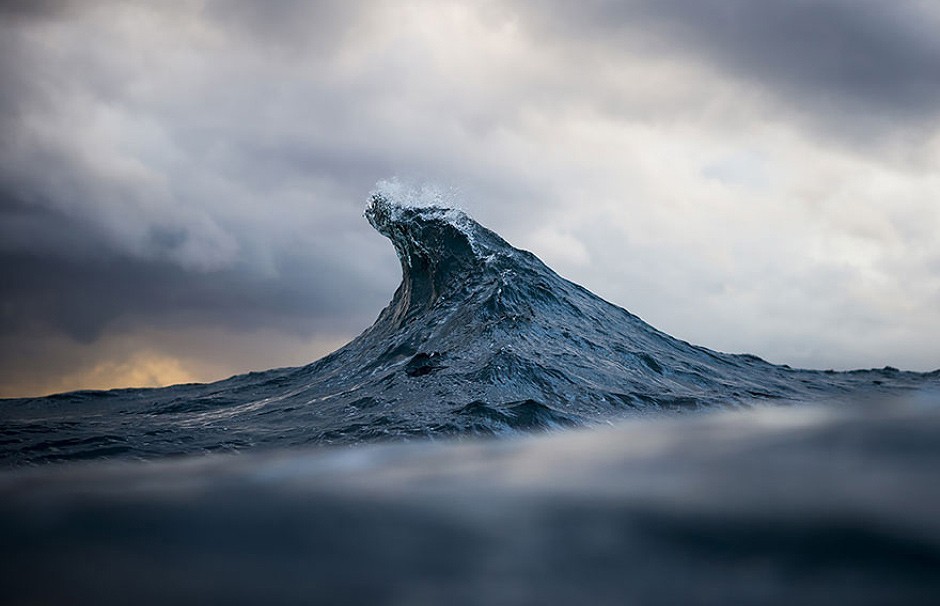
(479, 337)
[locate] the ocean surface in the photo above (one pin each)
(784, 505)
(500, 435)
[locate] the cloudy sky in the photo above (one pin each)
(181, 182)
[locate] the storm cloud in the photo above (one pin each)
(850, 61)
(183, 181)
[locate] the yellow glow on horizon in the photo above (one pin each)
(144, 369)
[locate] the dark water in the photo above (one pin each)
(782, 506)
(480, 337)
(797, 487)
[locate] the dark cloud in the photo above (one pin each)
(290, 24)
(191, 220)
(82, 293)
(33, 9)
(860, 64)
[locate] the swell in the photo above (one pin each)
(479, 337)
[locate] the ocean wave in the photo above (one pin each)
(479, 337)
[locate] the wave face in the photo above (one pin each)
(480, 337)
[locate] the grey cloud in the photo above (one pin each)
(289, 23)
(201, 222)
(854, 63)
(82, 296)
(34, 9)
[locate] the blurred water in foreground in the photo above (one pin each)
(782, 505)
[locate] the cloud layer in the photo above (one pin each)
(181, 183)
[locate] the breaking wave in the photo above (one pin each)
(480, 337)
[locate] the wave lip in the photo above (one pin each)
(439, 248)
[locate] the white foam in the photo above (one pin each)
(434, 200)
(404, 194)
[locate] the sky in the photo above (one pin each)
(182, 182)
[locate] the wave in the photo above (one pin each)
(479, 337)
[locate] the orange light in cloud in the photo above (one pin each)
(144, 369)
